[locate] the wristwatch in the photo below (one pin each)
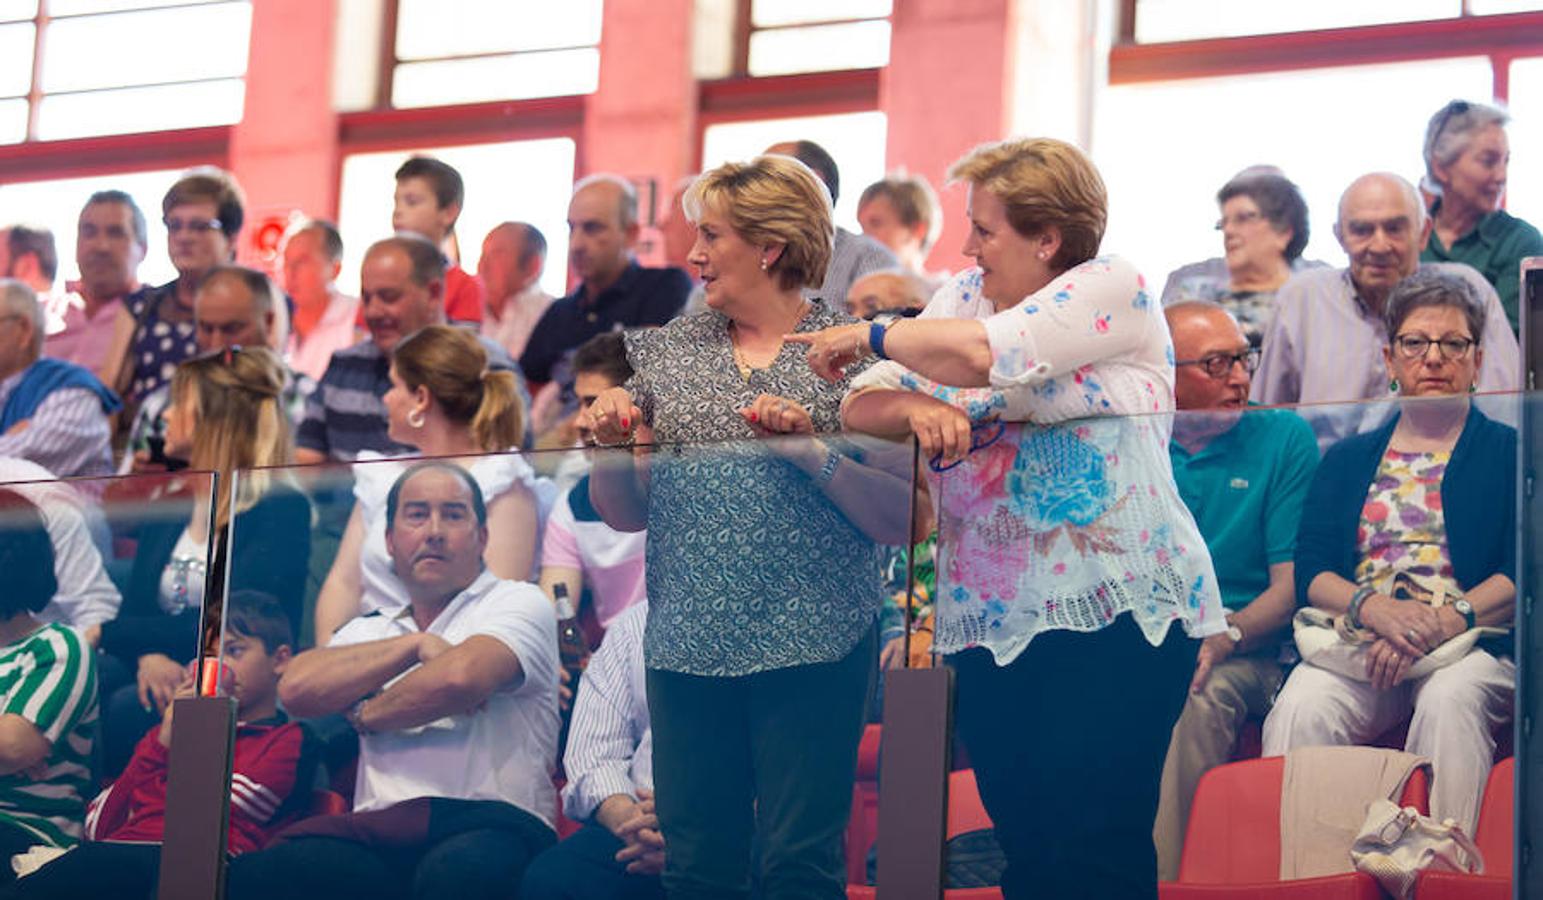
(1234, 632)
(1465, 609)
(878, 327)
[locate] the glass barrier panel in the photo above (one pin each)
(1111, 603)
(105, 580)
(475, 628)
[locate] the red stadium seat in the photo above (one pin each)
(1232, 849)
(1494, 835)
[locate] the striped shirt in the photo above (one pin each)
(1325, 346)
(346, 413)
(67, 434)
(49, 679)
(852, 256)
(610, 743)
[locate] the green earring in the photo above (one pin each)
(1393, 386)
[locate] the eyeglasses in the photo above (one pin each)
(1450, 111)
(1412, 346)
(1219, 365)
(1240, 220)
(196, 226)
(982, 435)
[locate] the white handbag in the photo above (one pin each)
(1328, 642)
(1396, 844)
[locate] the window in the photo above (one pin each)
(1314, 124)
(56, 205)
(1524, 191)
(855, 140)
(785, 37)
(1184, 20)
(75, 68)
(480, 50)
(527, 181)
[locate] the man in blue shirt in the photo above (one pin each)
(1243, 473)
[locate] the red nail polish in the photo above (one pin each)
(754, 416)
(626, 423)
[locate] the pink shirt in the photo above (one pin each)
(611, 561)
(334, 331)
(75, 337)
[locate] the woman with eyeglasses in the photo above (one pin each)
(225, 417)
(1264, 230)
(1466, 155)
(1409, 535)
(203, 213)
(1065, 555)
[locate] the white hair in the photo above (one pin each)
(1411, 196)
(1450, 132)
(18, 299)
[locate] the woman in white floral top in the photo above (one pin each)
(1065, 554)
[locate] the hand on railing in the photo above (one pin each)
(613, 418)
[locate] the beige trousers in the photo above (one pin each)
(1203, 738)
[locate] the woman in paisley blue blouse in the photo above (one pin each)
(1065, 554)
(763, 573)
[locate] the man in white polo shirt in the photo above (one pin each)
(455, 701)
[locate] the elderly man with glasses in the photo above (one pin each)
(1243, 473)
(1325, 343)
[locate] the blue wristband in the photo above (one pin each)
(876, 332)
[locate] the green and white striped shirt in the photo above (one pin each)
(49, 679)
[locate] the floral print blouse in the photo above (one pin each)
(750, 567)
(1402, 537)
(1071, 517)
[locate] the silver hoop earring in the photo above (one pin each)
(415, 418)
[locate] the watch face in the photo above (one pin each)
(1235, 633)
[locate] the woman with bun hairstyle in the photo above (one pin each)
(445, 401)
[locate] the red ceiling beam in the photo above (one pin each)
(1518, 34)
(111, 154)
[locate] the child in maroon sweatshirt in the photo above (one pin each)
(270, 780)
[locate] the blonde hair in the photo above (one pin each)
(240, 421)
(772, 200)
(451, 363)
(1043, 183)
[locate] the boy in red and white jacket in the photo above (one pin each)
(270, 783)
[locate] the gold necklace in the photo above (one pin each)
(741, 362)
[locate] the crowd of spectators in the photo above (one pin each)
(390, 623)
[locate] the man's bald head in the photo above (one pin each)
(602, 228)
(1203, 331)
(1383, 185)
(616, 191)
(513, 255)
(1382, 226)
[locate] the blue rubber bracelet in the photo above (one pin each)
(876, 331)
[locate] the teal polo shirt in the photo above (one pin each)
(1496, 248)
(1245, 489)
